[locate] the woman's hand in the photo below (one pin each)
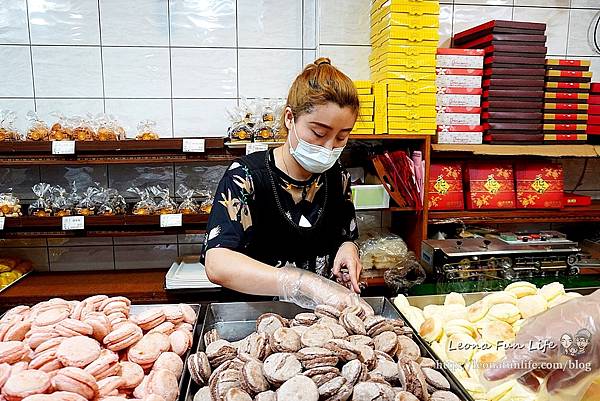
(347, 266)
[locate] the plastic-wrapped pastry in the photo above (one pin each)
(10, 205)
(41, 206)
(263, 133)
(240, 129)
(8, 132)
(147, 131)
(146, 205)
(109, 202)
(82, 129)
(38, 130)
(60, 202)
(188, 205)
(60, 130)
(87, 205)
(108, 128)
(206, 206)
(74, 198)
(165, 205)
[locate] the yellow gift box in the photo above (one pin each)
(410, 62)
(363, 91)
(396, 45)
(406, 33)
(403, 98)
(389, 50)
(364, 125)
(363, 84)
(380, 91)
(409, 41)
(362, 131)
(383, 25)
(363, 99)
(366, 111)
(413, 88)
(422, 124)
(404, 76)
(410, 67)
(381, 19)
(412, 7)
(412, 113)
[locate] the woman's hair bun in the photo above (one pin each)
(322, 60)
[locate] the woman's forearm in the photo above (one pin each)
(241, 273)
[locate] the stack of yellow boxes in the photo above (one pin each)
(404, 39)
(365, 123)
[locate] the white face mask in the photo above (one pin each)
(315, 159)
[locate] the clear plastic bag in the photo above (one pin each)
(82, 129)
(38, 130)
(60, 201)
(146, 205)
(383, 252)
(109, 202)
(147, 131)
(188, 205)
(61, 130)
(10, 205)
(8, 132)
(87, 205)
(240, 129)
(74, 198)
(41, 206)
(108, 129)
(165, 204)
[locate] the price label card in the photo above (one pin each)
(193, 145)
(171, 220)
(70, 223)
(256, 147)
(63, 147)
(2, 219)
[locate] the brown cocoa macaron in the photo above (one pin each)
(252, 377)
(386, 342)
(407, 348)
(427, 362)
(442, 395)
(321, 371)
(436, 379)
(337, 329)
(327, 311)
(383, 356)
(344, 350)
(405, 396)
(411, 377)
(331, 387)
(387, 369)
(237, 394)
(367, 356)
(369, 391)
(210, 336)
(269, 322)
(305, 319)
(372, 321)
(316, 336)
(259, 346)
(199, 368)
(355, 310)
(280, 367)
(220, 351)
(285, 339)
(352, 323)
(355, 371)
(265, 396)
(298, 388)
(222, 381)
(313, 357)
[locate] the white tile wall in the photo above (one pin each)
(134, 23)
(203, 23)
(13, 22)
(18, 81)
(64, 22)
(270, 23)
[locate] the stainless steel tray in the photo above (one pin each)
(236, 320)
(7, 286)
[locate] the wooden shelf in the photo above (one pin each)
(517, 150)
(113, 152)
(123, 225)
(567, 215)
(388, 137)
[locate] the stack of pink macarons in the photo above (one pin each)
(93, 349)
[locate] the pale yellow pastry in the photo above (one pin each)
(519, 393)
(552, 290)
(517, 325)
(488, 356)
(508, 313)
(501, 297)
(460, 326)
(532, 305)
(521, 289)
(431, 329)
(497, 392)
(401, 301)
(494, 331)
(414, 316)
(474, 387)
(452, 312)
(563, 298)
(454, 298)
(431, 311)
(440, 350)
(460, 348)
(477, 311)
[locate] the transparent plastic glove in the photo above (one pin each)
(307, 290)
(571, 332)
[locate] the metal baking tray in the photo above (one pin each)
(236, 320)
(6, 287)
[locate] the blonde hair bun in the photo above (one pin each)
(322, 60)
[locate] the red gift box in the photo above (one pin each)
(576, 200)
(445, 187)
(491, 186)
(539, 185)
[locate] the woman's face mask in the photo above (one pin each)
(315, 159)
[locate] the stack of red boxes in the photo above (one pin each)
(539, 185)
(459, 72)
(593, 121)
(490, 185)
(566, 100)
(513, 78)
(446, 187)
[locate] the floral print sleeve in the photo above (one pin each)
(350, 228)
(230, 221)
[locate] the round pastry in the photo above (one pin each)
(532, 305)
(16, 331)
(107, 364)
(265, 396)
(552, 290)
(411, 378)
(521, 289)
(281, 367)
(237, 394)
(500, 297)
(431, 329)
(360, 340)
(386, 342)
(171, 362)
(25, 383)
(354, 372)
(387, 369)
(367, 391)
(436, 379)
(199, 368)
(150, 318)
(220, 351)
(5, 371)
(73, 327)
(506, 312)
(164, 383)
(314, 357)
(173, 314)
(78, 351)
(285, 340)
(367, 356)
(442, 395)
(353, 324)
(204, 394)
(432, 310)
(298, 388)
(494, 331)
(252, 377)
(454, 298)
(405, 396)
(165, 328)
(460, 348)
(316, 336)
(123, 337)
(13, 351)
(51, 316)
(75, 380)
(99, 323)
(327, 311)
(477, 311)
(460, 326)
(269, 322)
(305, 319)
(132, 374)
(407, 348)
(108, 385)
(189, 314)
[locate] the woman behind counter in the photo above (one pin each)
(283, 222)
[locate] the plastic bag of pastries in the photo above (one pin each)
(82, 129)
(147, 131)
(383, 252)
(108, 128)
(109, 202)
(146, 205)
(59, 201)
(38, 130)
(8, 132)
(240, 128)
(165, 204)
(73, 198)
(87, 205)
(41, 206)
(10, 205)
(188, 204)
(61, 130)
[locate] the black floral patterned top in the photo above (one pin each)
(262, 212)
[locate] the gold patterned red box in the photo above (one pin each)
(539, 185)
(490, 186)
(446, 187)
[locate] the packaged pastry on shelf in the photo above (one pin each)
(147, 131)
(240, 129)
(109, 202)
(41, 206)
(261, 132)
(59, 201)
(87, 205)
(60, 130)
(10, 205)
(108, 128)
(38, 130)
(146, 205)
(165, 204)
(188, 205)
(82, 129)
(8, 132)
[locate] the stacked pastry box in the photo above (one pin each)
(404, 39)
(593, 122)
(513, 78)
(539, 185)
(365, 123)
(446, 186)
(458, 82)
(566, 100)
